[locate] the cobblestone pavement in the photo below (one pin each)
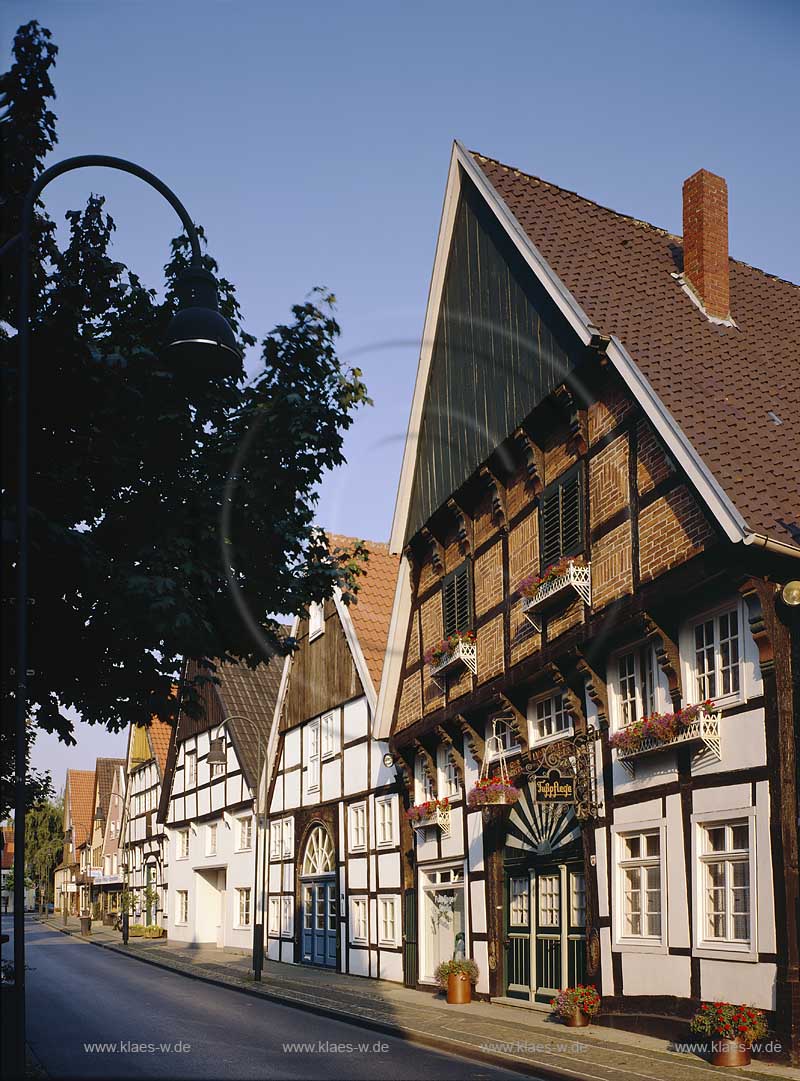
(520, 1038)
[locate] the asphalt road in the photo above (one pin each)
(165, 1025)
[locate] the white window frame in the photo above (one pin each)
(511, 744)
(316, 620)
(641, 707)
(313, 756)
(424, 787)
(723, 950)
(359, 915)
(448, 786)
(381, 841)
(553, 697)
(329, 734)
(276, 838)
(240, 892)
(181, 901)
(182, 845)
(244, 820)
(287, 837)
(750, 684)
(287, 916)
(274, 919)
(190, 781)
(355, 812)
(212, 838)
(386, 901)
(635, 943)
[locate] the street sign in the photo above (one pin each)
(554, 788)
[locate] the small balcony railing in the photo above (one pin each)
(703, 733)
(576, 580)
(463, 654)
(437, 815)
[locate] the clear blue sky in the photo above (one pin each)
(312, 142)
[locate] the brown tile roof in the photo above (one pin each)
(160, 733)
(720, 383)
(372, 609)
(80, 786)
(7, 854)
(103, 779)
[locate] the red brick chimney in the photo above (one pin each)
(705, 241)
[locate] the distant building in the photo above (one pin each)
(106, 875)
(72, 887)
(144, 840)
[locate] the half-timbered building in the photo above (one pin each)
(209, 806)
(335, 886)
(71, 888)
(598, 514)
(144, 839)
(109, 787)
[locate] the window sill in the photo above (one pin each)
(248, 849)
(358, 942)
(356, 850)
(542, 741)
(633, 945)
(386, 944)
(727, 952)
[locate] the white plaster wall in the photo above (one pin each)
(480, 955)
(357, 874)
(390, 966)
(731, 797)
(743, 744)
(291, 790)
(738, 981)
(645, 811)
(355, 768)
(454, 844)
(600, 844)
(475, 841)
(389, 870)
(356, 719)
(359, 961)
(291, 748)
(606, 967)
(765, 898)
(477, 891)
(677, 909)
(648, 974)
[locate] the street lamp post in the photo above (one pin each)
(197, 336)
(258, 928)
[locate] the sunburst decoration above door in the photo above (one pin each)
(541, 828)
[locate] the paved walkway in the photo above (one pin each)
(527, 1040)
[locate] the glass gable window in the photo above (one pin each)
(550, 716)
(636, 685)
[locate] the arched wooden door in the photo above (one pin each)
(319, 909)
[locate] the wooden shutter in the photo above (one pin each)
(571, 516)
(562, 519)
(551, 526)
(457, 601)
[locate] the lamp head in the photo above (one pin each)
(791, 594)
(199, 338)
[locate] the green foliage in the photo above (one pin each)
(139, 930)
(44, 843)
(142, 552)
(457, 966)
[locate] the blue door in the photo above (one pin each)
(319, 922)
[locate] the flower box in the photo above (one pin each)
(458, 649)
(434, 812)
(492, 791)
(557, 584)
(698, 725)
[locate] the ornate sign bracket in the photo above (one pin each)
(573, 758)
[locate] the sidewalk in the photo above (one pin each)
(521, 1039)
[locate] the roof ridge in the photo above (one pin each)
(620, 214)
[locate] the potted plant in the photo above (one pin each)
(457, 977)
(492, 790)
(576, 1006)
(732, 1031)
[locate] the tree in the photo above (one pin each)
(44, 845)
(130, 567)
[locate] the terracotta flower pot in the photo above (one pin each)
(459, 988)
(729, 1052)
(578, 1020)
